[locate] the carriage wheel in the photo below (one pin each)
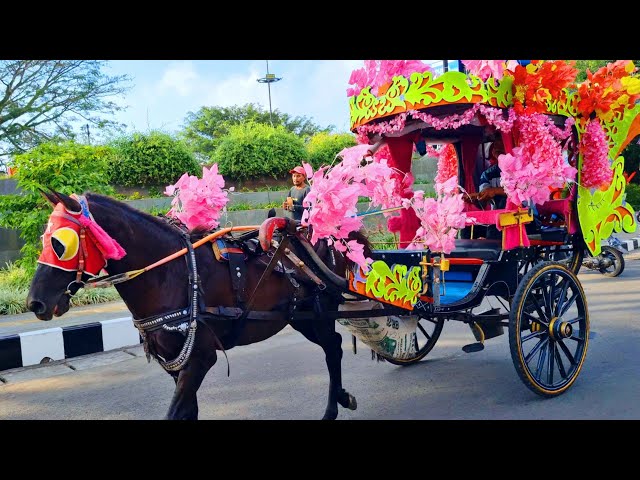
(549, 329)
(427, 333)
(570, 255)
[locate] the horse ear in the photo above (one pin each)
(68, 202)
(53, 201)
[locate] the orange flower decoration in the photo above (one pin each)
(608, 90)
(540, 81)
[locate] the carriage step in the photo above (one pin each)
(473, 347)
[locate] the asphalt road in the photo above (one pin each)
(285, 377)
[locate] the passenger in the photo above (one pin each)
(490, 194)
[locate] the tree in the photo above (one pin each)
(322, 148)
(204, 129)
(43, 99)
(68, 168)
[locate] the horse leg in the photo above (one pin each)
(322, 332)
(184, 404)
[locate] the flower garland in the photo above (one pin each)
(447, 164)
(493, 115)
(537, 164)
(596, 170)
(198, 202)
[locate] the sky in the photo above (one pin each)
(165, 91)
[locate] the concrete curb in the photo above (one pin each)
(631, 244)
(59, 343)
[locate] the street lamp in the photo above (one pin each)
(269, 78)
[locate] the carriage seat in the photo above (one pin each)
(484, 249)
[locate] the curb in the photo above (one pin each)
(59, 343)
(631, 244)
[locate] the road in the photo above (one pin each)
(285, 377)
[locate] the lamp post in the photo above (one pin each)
(269, 78)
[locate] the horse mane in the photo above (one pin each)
(108, 203)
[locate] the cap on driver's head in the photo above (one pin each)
(299, 170)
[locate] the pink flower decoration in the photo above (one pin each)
(596, 170)
(489, 68)
(440, 217)
(198, 202)
(334, 193)
(447, 164)
(537, 164)
(377, 73)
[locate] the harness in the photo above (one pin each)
(185, 320)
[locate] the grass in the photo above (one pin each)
(14, 288)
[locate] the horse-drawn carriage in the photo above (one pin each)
(564, 188)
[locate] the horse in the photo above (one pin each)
(170, 302)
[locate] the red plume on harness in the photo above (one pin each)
(73, 241)
(107, 245)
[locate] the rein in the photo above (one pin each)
(109, 280)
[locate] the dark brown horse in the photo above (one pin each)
(183, 330)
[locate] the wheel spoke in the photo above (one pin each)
(552, 288)
(531, 318)
(563, 294)
(531, 335)
(567, 306)
(550, 363)
(556, 352)
(575, 320)
(424, 332)
(567, 353)
(541, 358)
(539, 309)
(535, 349)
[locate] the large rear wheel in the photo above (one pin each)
(549, 329)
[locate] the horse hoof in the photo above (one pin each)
(352, 403)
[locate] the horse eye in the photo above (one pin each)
(58, 247)
(65, 243)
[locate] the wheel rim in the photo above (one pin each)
(611, 256)
(553, 331)
(428, 331)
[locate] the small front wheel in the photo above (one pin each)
(549, 328)
(428, 331)
(617, 261)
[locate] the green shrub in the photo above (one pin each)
(15, 277)
(254, 150)
(323, 147)
(633, 195)
(151, 159)
(65, 167)
(12, 301)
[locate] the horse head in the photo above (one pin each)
(74, 248)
